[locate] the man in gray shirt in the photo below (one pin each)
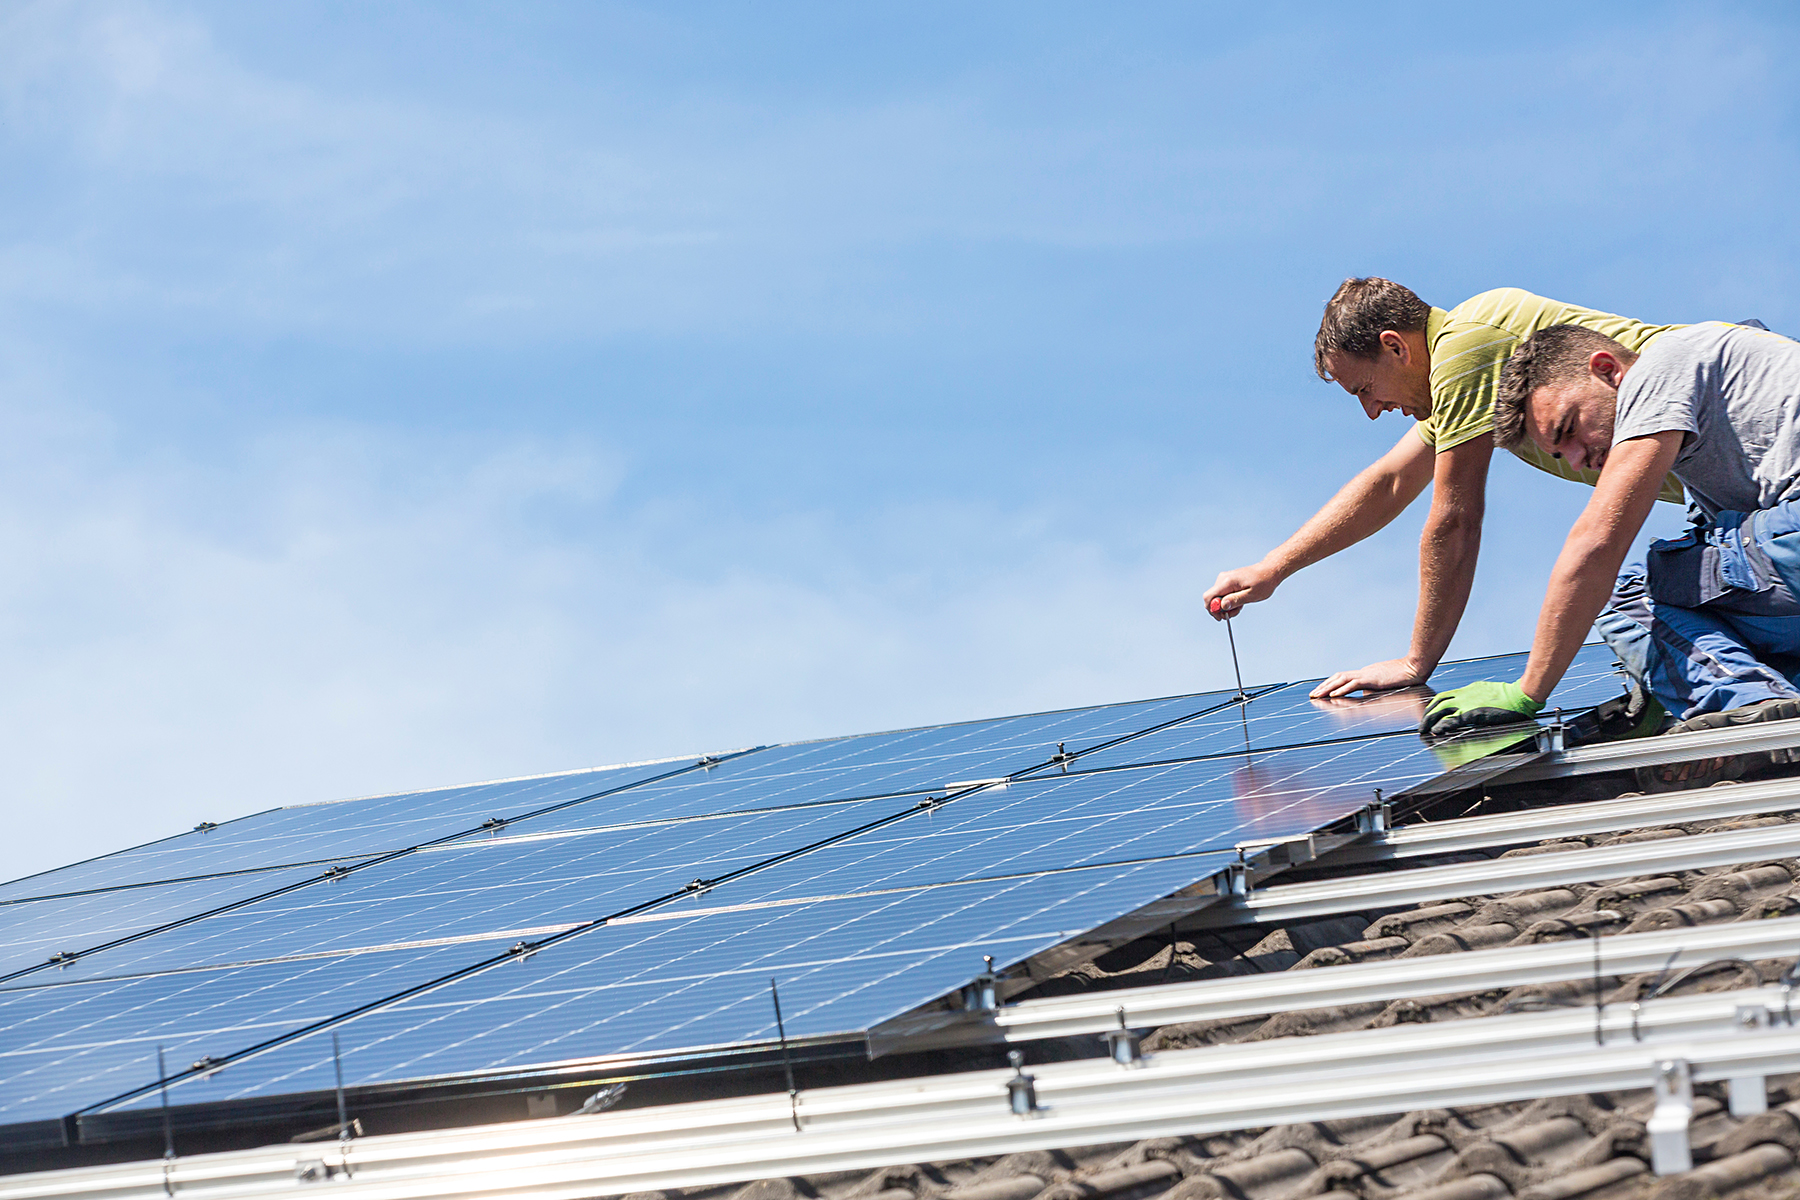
(1712, 625)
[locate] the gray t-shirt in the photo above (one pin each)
(1735, 391)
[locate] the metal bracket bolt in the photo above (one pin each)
(1122, 1043)
(981, 993)
(1021, 1089)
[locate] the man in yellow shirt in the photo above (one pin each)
(1395, 353)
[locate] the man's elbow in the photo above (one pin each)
(1592, 549)
(1454, 521)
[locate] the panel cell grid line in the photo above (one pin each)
(909, 761)
(502, 882)
(1288, 717)
(325, 833)
(843, 964)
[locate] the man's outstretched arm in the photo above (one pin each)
(1378, 494)
(1583, 577)
(1448, 550)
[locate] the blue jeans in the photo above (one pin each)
(1711, 621)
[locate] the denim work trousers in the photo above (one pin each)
(1711, 621)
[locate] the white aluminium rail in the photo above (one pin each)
(1423, 885)
(1571, 820)
(1357, 983)
(1487, 1060)
(1670, 747)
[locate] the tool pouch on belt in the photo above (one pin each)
(1726, 563)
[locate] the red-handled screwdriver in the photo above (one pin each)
(1218, 609)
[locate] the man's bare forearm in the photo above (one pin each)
(1580, 584)
(1449, 548)
(1582, 579)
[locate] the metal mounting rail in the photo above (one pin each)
(1648, 752)
(1358, 983)
(1740, 1036)
(1570, 820)
(1421, 885)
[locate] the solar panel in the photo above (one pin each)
(657, 985)
(68, 1044)
(815, 863)
(519, 885)
(904, 762)
(326, 833)
(1038, 843)
(32, 931)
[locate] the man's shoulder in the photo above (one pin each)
(1496, 305)
(1689, 347)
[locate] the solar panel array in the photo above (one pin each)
(643, 911)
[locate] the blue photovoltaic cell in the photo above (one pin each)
(1287, 717)
(33, 930)
(843, 965)
(911, 760)
(507, 888)
(321, 833)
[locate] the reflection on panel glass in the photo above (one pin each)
(1287, 717)
(1126, 815)
(504, 888)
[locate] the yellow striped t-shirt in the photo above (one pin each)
(1470, 343)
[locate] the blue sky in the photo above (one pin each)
(396, 395)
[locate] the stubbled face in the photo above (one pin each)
(1395, 379)
(1574, 420)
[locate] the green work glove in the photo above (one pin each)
(1474, 705)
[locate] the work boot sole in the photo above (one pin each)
(1704, 772)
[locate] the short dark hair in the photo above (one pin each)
(1359, 312)
(1555, 354)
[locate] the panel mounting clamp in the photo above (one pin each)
(1122, 1044)
(981, 994)
(1021, 1089)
